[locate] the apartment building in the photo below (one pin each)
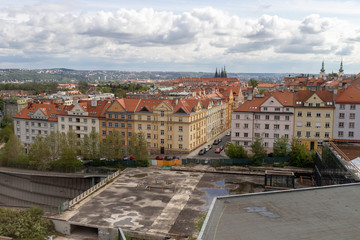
(13, 106)
(347, 115)
(82, 117)
(120, 117)
(314, 117)
(36, 119)
(269, 116)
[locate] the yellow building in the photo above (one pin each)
(314, 117)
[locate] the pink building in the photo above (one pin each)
(269, 116)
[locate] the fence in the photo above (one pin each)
(233, 161)
(88, 192)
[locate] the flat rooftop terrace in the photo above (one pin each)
(331, 212)
(156, 203)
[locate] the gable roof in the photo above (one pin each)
(253, 105)
(51, 110)
(351, 94)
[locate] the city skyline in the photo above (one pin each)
(258, 36)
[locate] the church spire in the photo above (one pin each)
(322, 70)
(341, 70)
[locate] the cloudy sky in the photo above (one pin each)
(182, 35)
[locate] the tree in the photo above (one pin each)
(138, 149)
(112, 146)
(298, 155)
(280, 147)
(39, 154)
(258, 150)
(83, 86)
(6, 132)
(54, 142)
(253, 83)
(13, 153)
(234, 151)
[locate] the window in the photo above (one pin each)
(308, 114)
(93, 128)
(27, 130)
(148, 127)
(298, 133)
(246, 143)
(318, 124)
(52, 125)
(162, 141)
(317, 134)
(104, 132)
(130, 134)
(246, 125)
(70, 127)
(257, 125)
(180, 119)
(155, 136)
(287, 109)
(237, 134)
(78, 128)
(318, 105)
(104, 124)
(287, 118)
(247, 117)
(180, 137)
(327, 125)
(148, 118)
(299, 124)
(266, 144)
(93, 121)
(129, 117)
(320, 143)
(276, 126)
(180, 128)
(139, 117)
(342, 106)
(307, 134)
(267, 117)
(265, 108)
(139, 126)
(352, 107)
(122, 116)
(62, 126)
(162, 132)
(318, 114)
(340, 133)
(277, 109)
(246, 135)
(351, 125)
(39, 124)
(327, 115)
(162, 123)
(116, 125)
(62, 119)
(276, 135)
(299, 114)
(180, 146)
(162, 113)
(266, 135)
(237, 125)
(351, 134)
(276, 117)
(237, 116)
(170, 137)
(110, 124)
(170, 128)
(122, 125)
(129, 125)
(341, 124)
(341, 115)
(77, 120)
(287, 127)
(352, 115)
(32, 123)
(110, 115)
(257, 117)
(257, 134)
(308, 124)
(267, 126)
(327, 134)
(286, 136)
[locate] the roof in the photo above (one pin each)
(253, 105)
(286, 98)
(49, 109)
(351, 94)
(329, 212)
(93, 111)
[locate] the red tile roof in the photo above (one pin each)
(351, 94)
(253, 105)
(51, 110)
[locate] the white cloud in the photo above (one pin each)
(52, 30)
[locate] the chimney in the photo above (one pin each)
(93, 102)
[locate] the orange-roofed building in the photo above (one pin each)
(36, 119)
(347, 115)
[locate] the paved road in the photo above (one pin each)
(211, 153)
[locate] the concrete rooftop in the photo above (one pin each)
(323, 213)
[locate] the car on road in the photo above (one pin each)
(126, 158)
(216, 142)
(222, 147)
(202, 152)
(209, 146)
(176, 157)
(168, 158)
(219, 140)
(206, 149)
(159, 158)
(218, 150)
(228, 133)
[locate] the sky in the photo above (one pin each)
(258, 36)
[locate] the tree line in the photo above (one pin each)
(58, 150)
(297, 153)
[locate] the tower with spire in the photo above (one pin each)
(341, 70)
(322, 70)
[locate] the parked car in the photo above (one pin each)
(132, 158)
(206, 148)
(167, 158)
(219, 140)
(222, 147)
(202, 152)
(176, 157)
(126, 158)
(218, 150)
(228, 133)
(209, 146)
(159, 158)
(216, 142)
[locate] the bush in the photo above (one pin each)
(24, 224)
